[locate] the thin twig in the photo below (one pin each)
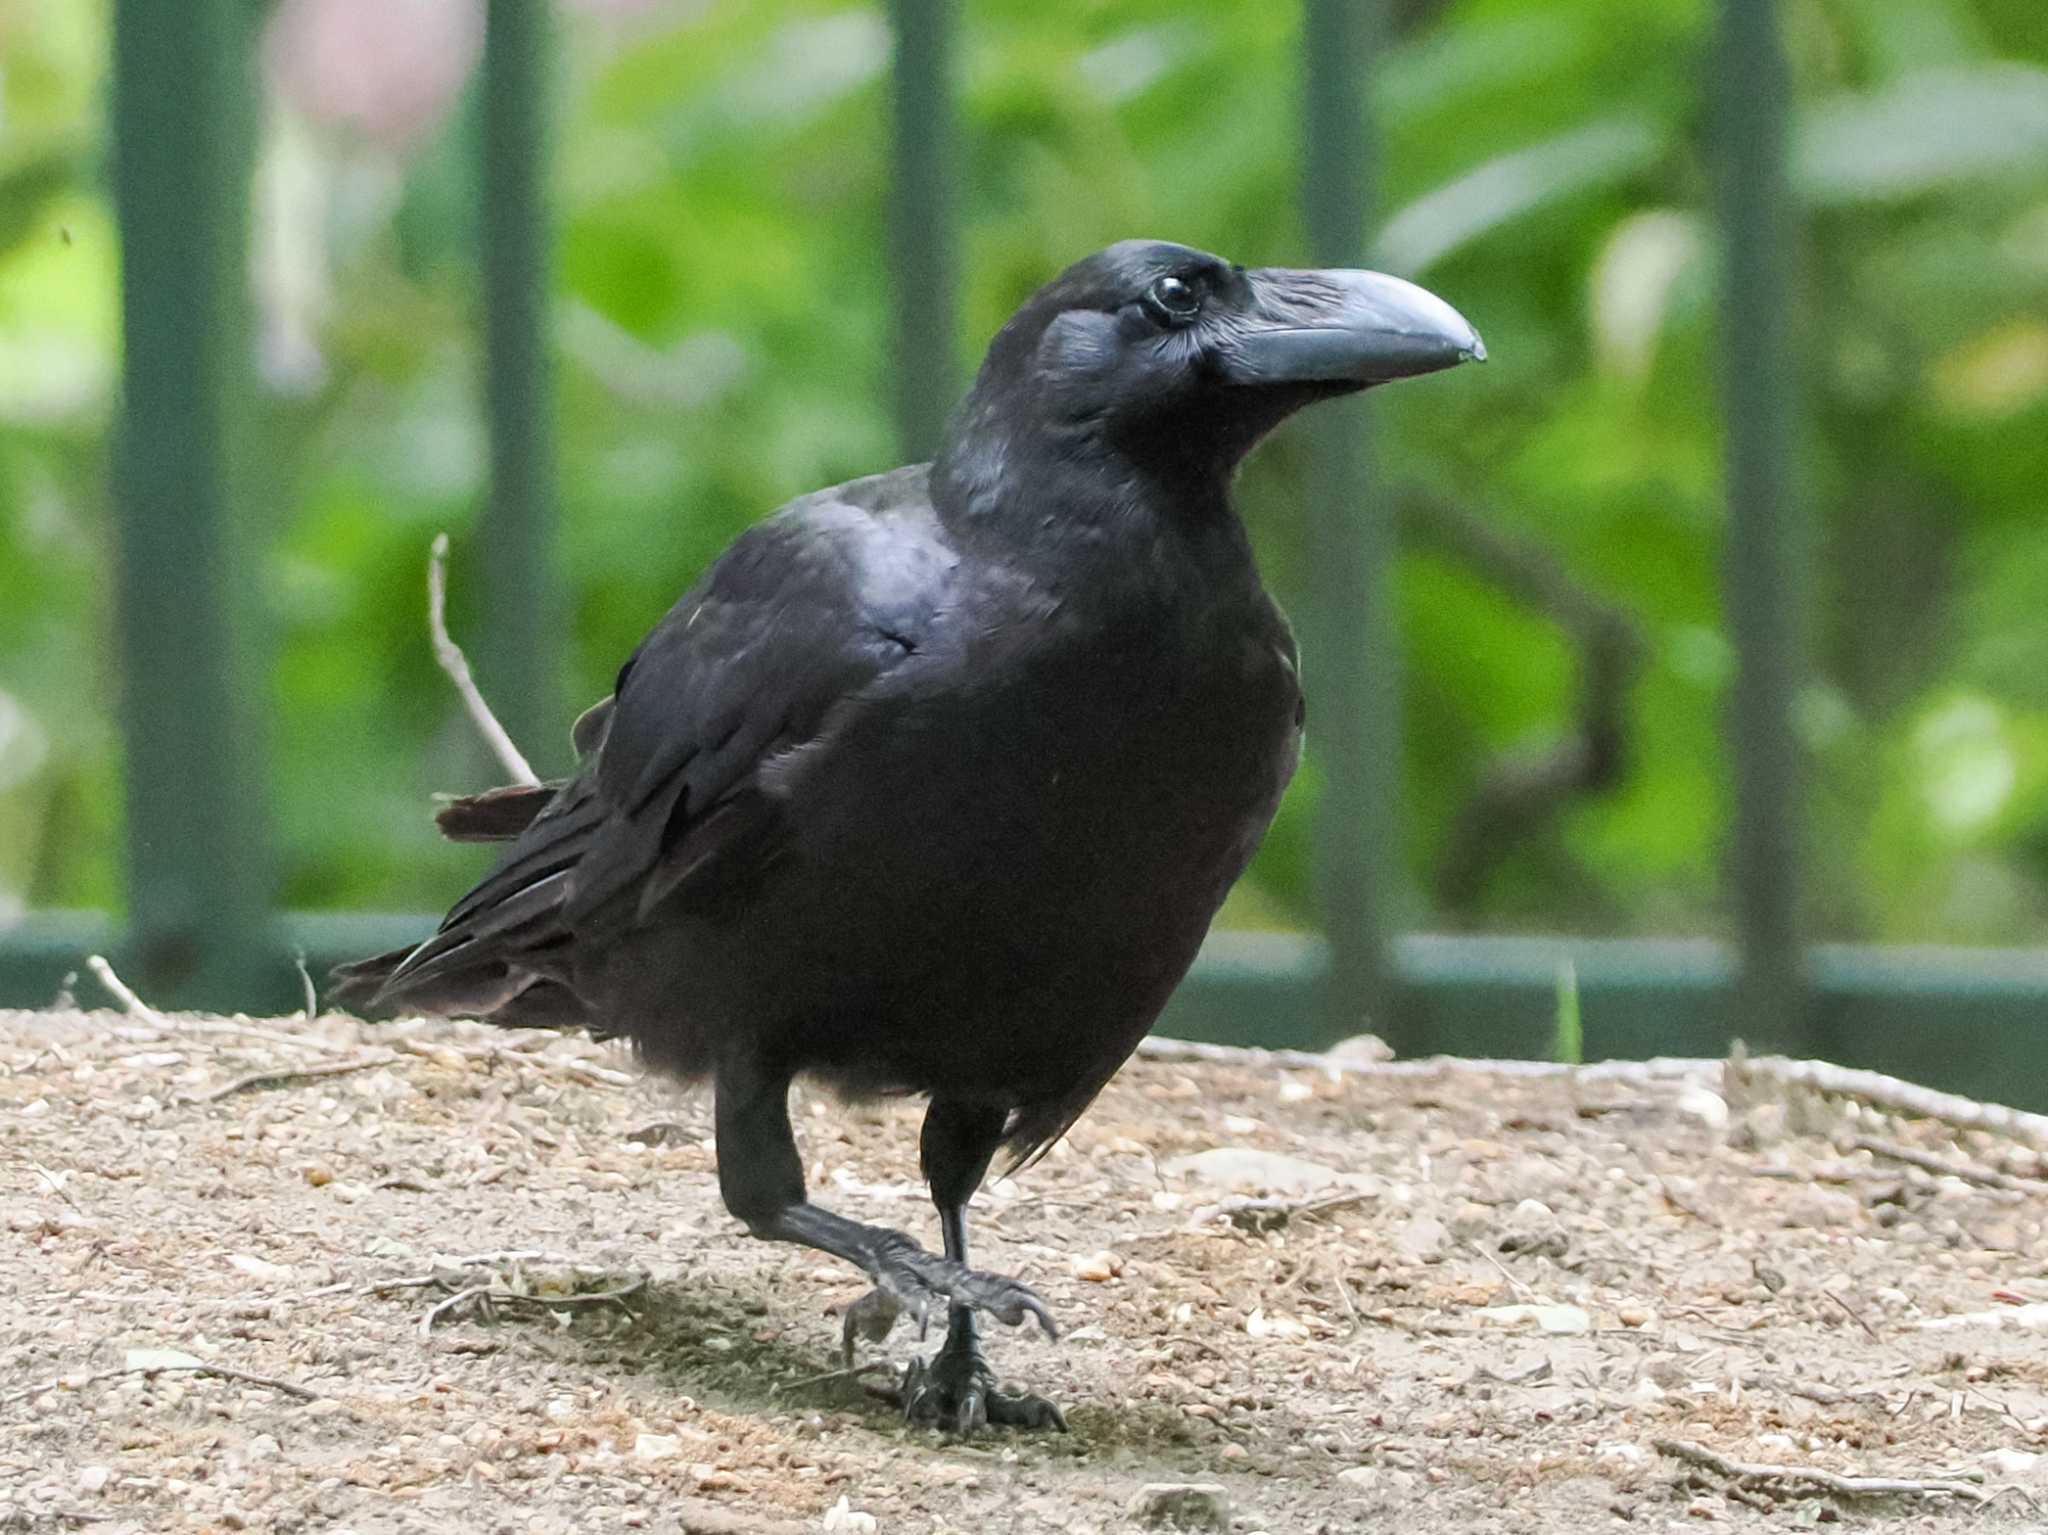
(490, 1297)
(135, 1007)
(1871, 1087)
(579, 1071)
(123, 994)
(230, 1030)
(1350, 1305)
(309, 995)
(1793, 1478)
(872, 1367)
(456, 665)
(197, 1367)
(660, 1132)
(287, 1076)
(1277, 1211)
(56, 1184)
(1984, 1177)
(1889, 1094)
(1854, 1316)
(440, 1307)
(439, 1274)
(1518, 1286)
(1661, 1069)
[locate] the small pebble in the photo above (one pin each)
(1098, 1267)
(1552, 1319)
(656, 1446)
(1187, 1505)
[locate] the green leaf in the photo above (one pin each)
(1512, 186)
(1925, 132)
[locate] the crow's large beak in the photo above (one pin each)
(1344, 327)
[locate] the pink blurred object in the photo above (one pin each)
(623, 10)
(386, 70)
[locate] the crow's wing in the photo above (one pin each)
(802, 612)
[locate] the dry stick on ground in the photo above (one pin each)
(440, 1307)
(288, 1076)
(1984, 1177)
(308, 992)
(1871, 1087)
(580, 1071)
(135, 1007)
(456, 665)
(1659, 1070)
(1795, 1478)
(854, 1372)
(489, 1297)
(443, 1267)
(1350, 1305)
(123, 994)
(1889, 1094)
(1276, 1211)
(1854, 1315)
(197, 1367)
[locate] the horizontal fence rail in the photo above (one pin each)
(1972, 1021)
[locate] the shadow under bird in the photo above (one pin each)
(934, 781)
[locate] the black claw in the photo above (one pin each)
(955, 1390)
(1045, 1322)
(918, 1278)
(1025, 1411)
(972, 1415)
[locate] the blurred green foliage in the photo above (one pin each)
(719, 324)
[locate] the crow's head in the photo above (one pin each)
(1162, 352)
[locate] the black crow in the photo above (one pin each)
(933, 782)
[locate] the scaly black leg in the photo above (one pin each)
(762, 1182)
(955, 1388)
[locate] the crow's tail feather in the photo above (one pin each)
(496, 815)
(490, 991)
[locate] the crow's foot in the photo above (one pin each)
(909, 1279)
(956, 1391)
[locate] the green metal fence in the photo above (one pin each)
(1974, 1021)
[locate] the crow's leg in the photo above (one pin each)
(762, 1182)
(955, 1388)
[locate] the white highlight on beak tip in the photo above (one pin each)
(1413, 310)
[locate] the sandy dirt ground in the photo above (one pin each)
(291, 1276)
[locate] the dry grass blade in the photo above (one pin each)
(291, 1076)
(1813, 1479)
(1983, 1177)
(1888, 1093)
(1263, 1212)
(197, 1367)
(577, 1071)
(489, 1297)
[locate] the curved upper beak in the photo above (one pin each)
(1344, 327)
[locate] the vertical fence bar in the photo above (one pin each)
(521, 653)
(1352, 667)
(1765, 538)
(199, 871)
(921, 235)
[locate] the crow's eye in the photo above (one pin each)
(1172, 301)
